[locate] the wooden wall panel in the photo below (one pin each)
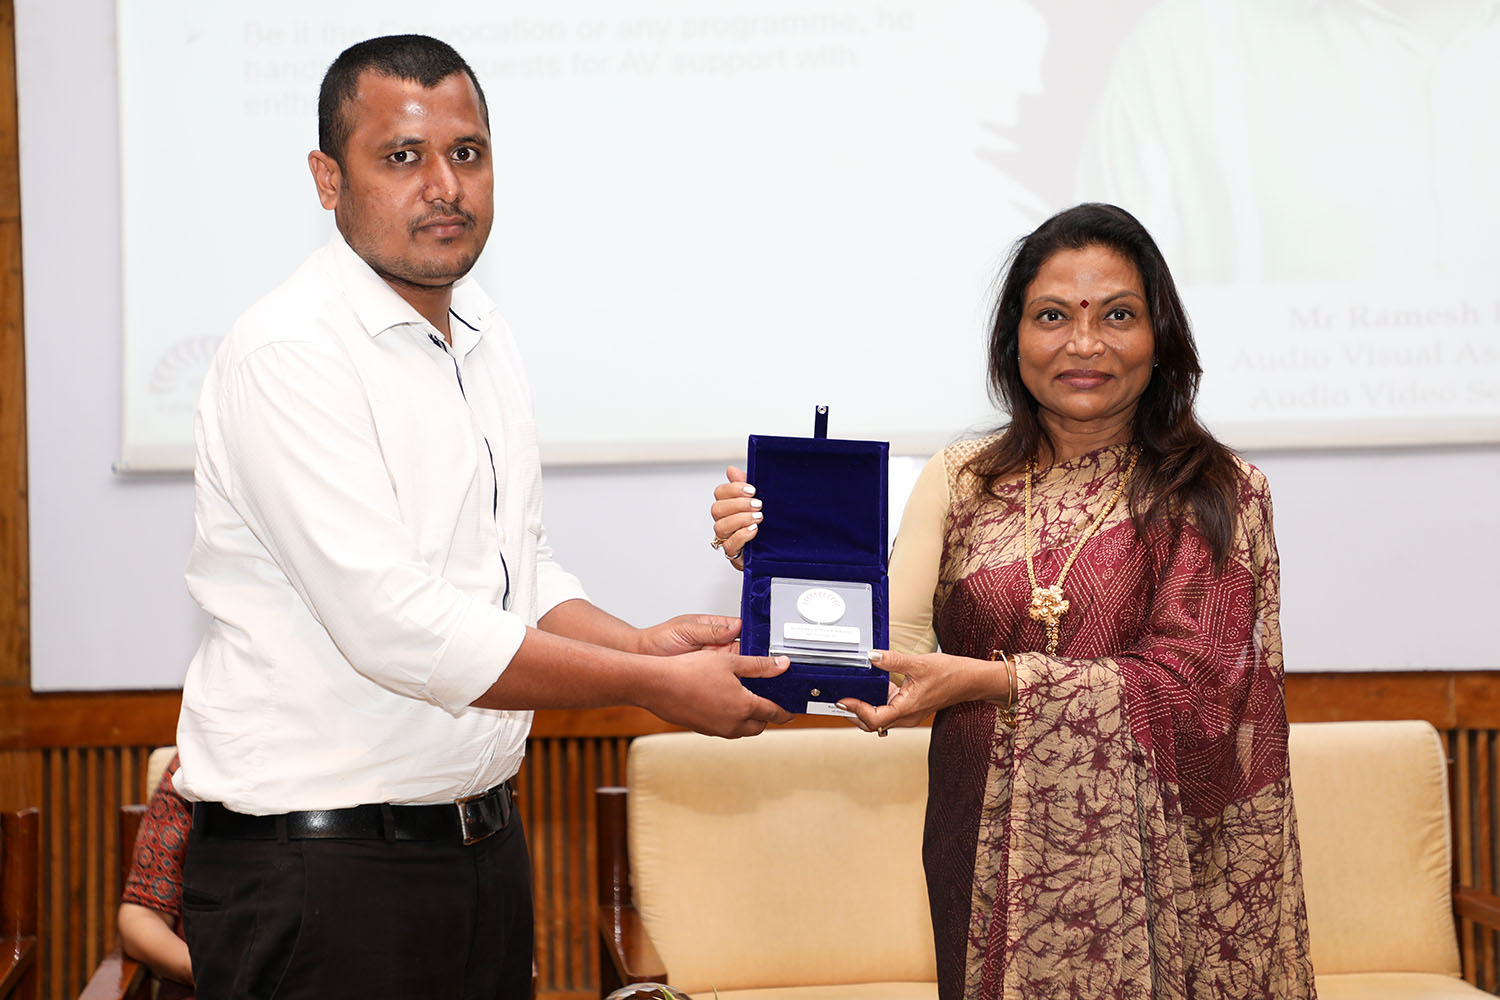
(14, 568)
(1476, 763)
(81, 792)
(80, 788)
(556, 786)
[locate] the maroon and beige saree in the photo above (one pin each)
(1133, 834)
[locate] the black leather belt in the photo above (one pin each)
(468, 820)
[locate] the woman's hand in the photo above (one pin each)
(933, 681)
(737, 515)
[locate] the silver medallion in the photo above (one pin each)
(820, 606)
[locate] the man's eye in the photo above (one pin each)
(466, 154)
(404, 156)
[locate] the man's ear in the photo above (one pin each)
(327, 176)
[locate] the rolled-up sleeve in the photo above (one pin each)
(554, 584)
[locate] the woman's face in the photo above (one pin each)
(1086, 344)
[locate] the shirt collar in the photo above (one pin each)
(378, 306)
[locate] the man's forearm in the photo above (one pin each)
(553, 669)
(578, 619)
(685, 672)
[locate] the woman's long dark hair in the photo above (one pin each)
(1183, 469)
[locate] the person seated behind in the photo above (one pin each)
(150, 917)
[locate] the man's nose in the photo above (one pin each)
(441, 181)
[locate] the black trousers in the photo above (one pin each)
(301, 919)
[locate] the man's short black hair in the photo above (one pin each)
(417, 58)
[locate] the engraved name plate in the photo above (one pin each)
(828, 622)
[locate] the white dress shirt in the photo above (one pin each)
(369, 543)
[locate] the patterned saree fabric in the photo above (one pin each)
(155, 878)
(1133, 835)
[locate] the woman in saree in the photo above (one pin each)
(1109, 807)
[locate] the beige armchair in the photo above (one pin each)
(788, 867)
(1377, 861)
(789, 863)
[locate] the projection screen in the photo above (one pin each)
(708, 207)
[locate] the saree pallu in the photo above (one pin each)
(1132, 836)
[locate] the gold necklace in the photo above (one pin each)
(1048, 604)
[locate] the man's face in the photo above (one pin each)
(415, 195)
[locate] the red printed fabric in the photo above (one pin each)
(155, 879)
(1133, 836)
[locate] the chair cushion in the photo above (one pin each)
(790, 859)
(1372, 815)
(1396, 986)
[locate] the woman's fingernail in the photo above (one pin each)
(749, 490)
(756, 516)
(755, 504)
(876, 656)
(751, 527)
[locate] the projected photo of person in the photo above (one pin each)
(1295, 140)
(1042, 131)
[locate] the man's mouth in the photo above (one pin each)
(444, 226)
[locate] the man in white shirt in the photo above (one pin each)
(385, 608)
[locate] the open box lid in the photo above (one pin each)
(826, 501)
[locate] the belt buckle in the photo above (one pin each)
(466, 826)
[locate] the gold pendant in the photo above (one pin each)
(1047, 605)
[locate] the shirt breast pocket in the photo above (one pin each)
(438, 464)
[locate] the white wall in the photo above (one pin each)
(1389, 556)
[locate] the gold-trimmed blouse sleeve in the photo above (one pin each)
(915, 559)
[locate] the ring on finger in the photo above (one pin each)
(718, 543)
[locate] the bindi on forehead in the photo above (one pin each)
(1084, 303)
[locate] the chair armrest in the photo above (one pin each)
(1477, 905)
(626, 952)
(117, 977)
(17, 956)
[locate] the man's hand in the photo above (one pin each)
(687, 633)
(701, 690)
(581, 657)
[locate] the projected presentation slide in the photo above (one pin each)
(711, 216)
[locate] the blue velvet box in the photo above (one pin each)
(826, 519)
